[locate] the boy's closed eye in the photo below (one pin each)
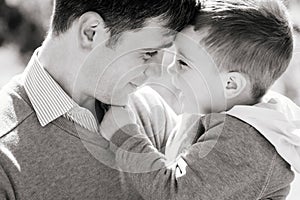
(182, 66)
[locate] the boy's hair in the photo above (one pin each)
(253, 37)
(123, 15)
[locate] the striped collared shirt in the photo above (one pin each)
(50, 101)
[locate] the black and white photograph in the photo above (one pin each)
(150, 99)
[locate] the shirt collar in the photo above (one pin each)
(49, 100)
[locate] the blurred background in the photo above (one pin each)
(24, 24)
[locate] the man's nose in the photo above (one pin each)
(155, 68)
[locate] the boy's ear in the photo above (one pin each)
(92, 30)
(234, 84)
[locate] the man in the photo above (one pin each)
(48, 111)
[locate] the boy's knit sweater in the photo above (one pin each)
(217, 157)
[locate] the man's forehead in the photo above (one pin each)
(155, 26)
(159, 41)
(164, 42)
(150, 38)
(163, 45)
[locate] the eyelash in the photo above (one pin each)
(182, 65)
(149, 55)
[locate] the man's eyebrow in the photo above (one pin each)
(167, 45)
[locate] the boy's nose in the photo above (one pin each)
(172, 69)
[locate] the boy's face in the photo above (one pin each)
(196, 76)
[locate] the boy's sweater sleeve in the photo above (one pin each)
(155, 117)
(218, 166)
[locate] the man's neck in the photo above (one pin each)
(60, 60)
(54, 57)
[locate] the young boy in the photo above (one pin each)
(245, 153)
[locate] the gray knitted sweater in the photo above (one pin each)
(213, 157)
(60, 160)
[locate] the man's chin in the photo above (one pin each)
(119, 98)
(121, 102)
(122, 99)
(114, 102)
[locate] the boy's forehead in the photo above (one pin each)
(186, 39)
(189, 33)
(191, 41)
(188, 46)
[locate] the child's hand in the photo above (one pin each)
(115, 119)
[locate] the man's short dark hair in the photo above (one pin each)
(253, 37)
(123, 15)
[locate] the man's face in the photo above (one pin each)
(195, 74)
(120, 70)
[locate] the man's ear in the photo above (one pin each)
(234, 84)
(92, 30)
